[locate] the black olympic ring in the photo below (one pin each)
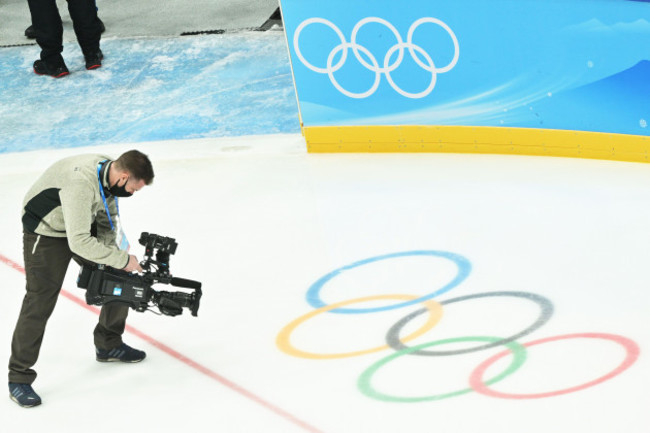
(546, 311)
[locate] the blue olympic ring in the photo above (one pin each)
(463, 264)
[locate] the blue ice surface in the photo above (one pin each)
(149, 89)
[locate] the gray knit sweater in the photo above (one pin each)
(65, 202)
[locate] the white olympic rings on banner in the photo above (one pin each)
(373, 65)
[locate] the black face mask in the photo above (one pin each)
(120, 191)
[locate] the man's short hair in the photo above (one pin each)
(137, 164)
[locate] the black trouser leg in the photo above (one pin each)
(46, 262)
(112, 318)
(49, 30)
(112, 321)
(86, 24)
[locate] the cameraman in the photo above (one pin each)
(72, 212)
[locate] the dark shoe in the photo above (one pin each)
(23, 394)
(30, 33)
(122, 353)
(94, 60)
(41, 67)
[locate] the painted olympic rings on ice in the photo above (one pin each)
(476, 377)
(283, 339)
(365, 380)
(631, 354)
(464, 267)
(373, 65)
(545, 307)
(476, 381)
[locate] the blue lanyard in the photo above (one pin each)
(101, 191)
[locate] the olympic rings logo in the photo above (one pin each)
(434, 310)
(374, 66)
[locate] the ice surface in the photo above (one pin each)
(150, 89)
(259, 221)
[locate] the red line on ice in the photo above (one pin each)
(182, 358)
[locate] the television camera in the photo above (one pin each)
(104, 284)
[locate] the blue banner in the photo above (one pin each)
(551, 64)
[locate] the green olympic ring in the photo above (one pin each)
(365, 386)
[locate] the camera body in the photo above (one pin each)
(104, 284)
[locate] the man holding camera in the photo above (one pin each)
(72, 212)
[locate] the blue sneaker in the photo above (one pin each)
(122, 353)
(23, 394)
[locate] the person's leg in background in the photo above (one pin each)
(88, 30)
(49, 36)
(30, 33)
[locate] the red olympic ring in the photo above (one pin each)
(632, 353)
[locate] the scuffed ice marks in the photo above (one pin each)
(151, 89)
(164, 63)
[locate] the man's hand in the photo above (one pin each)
(133, 265)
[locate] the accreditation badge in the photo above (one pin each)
(120, 237)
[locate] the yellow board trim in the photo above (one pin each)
(478, 139)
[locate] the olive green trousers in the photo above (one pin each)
(46, 263)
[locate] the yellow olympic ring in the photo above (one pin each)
(284, 344)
